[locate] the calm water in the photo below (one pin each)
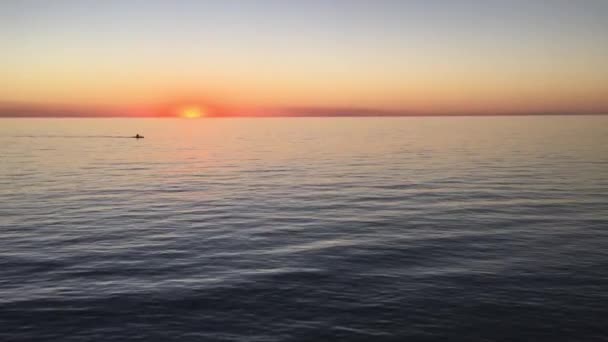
(369, 229)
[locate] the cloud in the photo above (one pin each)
(329, 112)
(35, 110)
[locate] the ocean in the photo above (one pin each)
(304, 229)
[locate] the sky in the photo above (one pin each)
(304, 57)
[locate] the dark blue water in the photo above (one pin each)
(412, 229)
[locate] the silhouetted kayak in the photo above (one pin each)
(137, 136)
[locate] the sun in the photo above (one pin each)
(191, 112)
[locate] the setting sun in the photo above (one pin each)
(192, 112)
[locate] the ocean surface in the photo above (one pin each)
(304, 229)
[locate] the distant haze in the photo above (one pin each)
(303, 58)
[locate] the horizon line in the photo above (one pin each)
(262, 116)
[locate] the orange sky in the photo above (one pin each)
(269, 57)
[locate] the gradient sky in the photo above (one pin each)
(431, 56)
